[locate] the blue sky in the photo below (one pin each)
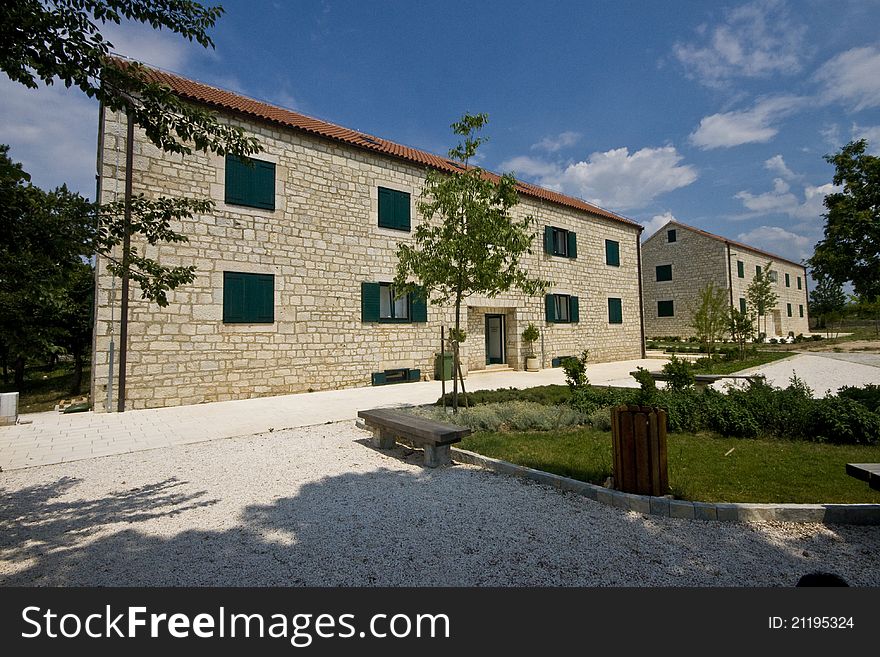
(717, 114)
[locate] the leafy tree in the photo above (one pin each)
(73, 320)
(710, 319)
(468, 242)
(850, 249)
(42, 238)
(61, 40)
(761, 295)
(741, 328)
(827, 300)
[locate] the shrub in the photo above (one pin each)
(773, 340)
(509, 416)
(680, 373)
(576, 370)
(868, 396)
(547, 395)
(586, 400)
(843, 421)
(815, 337)
(601, 418)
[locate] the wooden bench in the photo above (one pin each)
(434, 437)
(702, 381)
(869, 472)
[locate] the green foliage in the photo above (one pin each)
(868, 396)
(680, 373)
(529, 336)
(576, 370)
(469, 242)
(844, 421)
(647, 387)
(850, 248)
(548, 395)
(511, 416)
(741, 326)
(590, 398)
(710, 319)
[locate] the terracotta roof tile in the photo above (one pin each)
(218, 98)
(740, 245)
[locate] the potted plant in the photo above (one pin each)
(529, 336)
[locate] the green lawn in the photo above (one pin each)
(754, 360)
(755, 471)
(44, 388)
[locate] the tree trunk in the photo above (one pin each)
(455, 353)
(19, 372)
(76, 386)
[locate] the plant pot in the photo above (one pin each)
(532, 364)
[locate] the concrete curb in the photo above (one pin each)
(832, 514)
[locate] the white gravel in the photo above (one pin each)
(317, 506)
(823, 373)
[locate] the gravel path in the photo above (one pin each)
(822, 372)
(317, 506)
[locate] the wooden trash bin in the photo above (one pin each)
(638, 435)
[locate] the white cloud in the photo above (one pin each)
(831, 134)
(557, 143)
(623, 181)
(53, 132)
(755, 40)
(871, 133)
(852, 78)
(159, 48)
(655, 223)
(777, 165)
(755, 125)
(532, 168)
(778, 240)
(781, 200)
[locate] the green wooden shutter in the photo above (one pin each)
(264, 185)
(788, 309)
(612, 253)
(799, 282)
(369, 302)
(401, 210)
(615, 311)
(801, 310)
(378, 378)
(572, 245)
(413, 375)
(664, 272)
(550, 308)
(548, 240)
(740, 269)
(418, 307)
(233, 298)
(574, 314)
(259, 298)
(235, 180)
(787, 281)
(386, 208)
(742, 305)
(665, 309)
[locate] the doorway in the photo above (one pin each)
(495, 339)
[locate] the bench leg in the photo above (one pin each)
(437, 456)
(383, 439)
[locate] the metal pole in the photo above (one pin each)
(126, 253)
(443, 365)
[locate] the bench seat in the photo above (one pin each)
(389, 425)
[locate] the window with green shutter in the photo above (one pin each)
(378, 304)
(394, 209)
(612, 253)
(248, 298)
(615, 311)
(740, 269)
(671, 235)
(799, 282)
(757, 270)
(665, 309)
(664, 272)
(742, 305)
(801, 310)
(788, 309)
(250, 182)
(787, 281)
(560, 242)
(562, 308)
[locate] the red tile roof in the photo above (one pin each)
(740, 245)
(226, 100)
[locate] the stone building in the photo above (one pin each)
(293, 268)
(679, 260)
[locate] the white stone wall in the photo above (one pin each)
(321, 242)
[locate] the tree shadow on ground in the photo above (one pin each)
(450, 526)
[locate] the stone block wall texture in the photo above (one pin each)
(697, 259)
(321, 241)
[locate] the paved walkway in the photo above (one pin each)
(57, 438)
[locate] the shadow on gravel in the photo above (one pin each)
(450, 526)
